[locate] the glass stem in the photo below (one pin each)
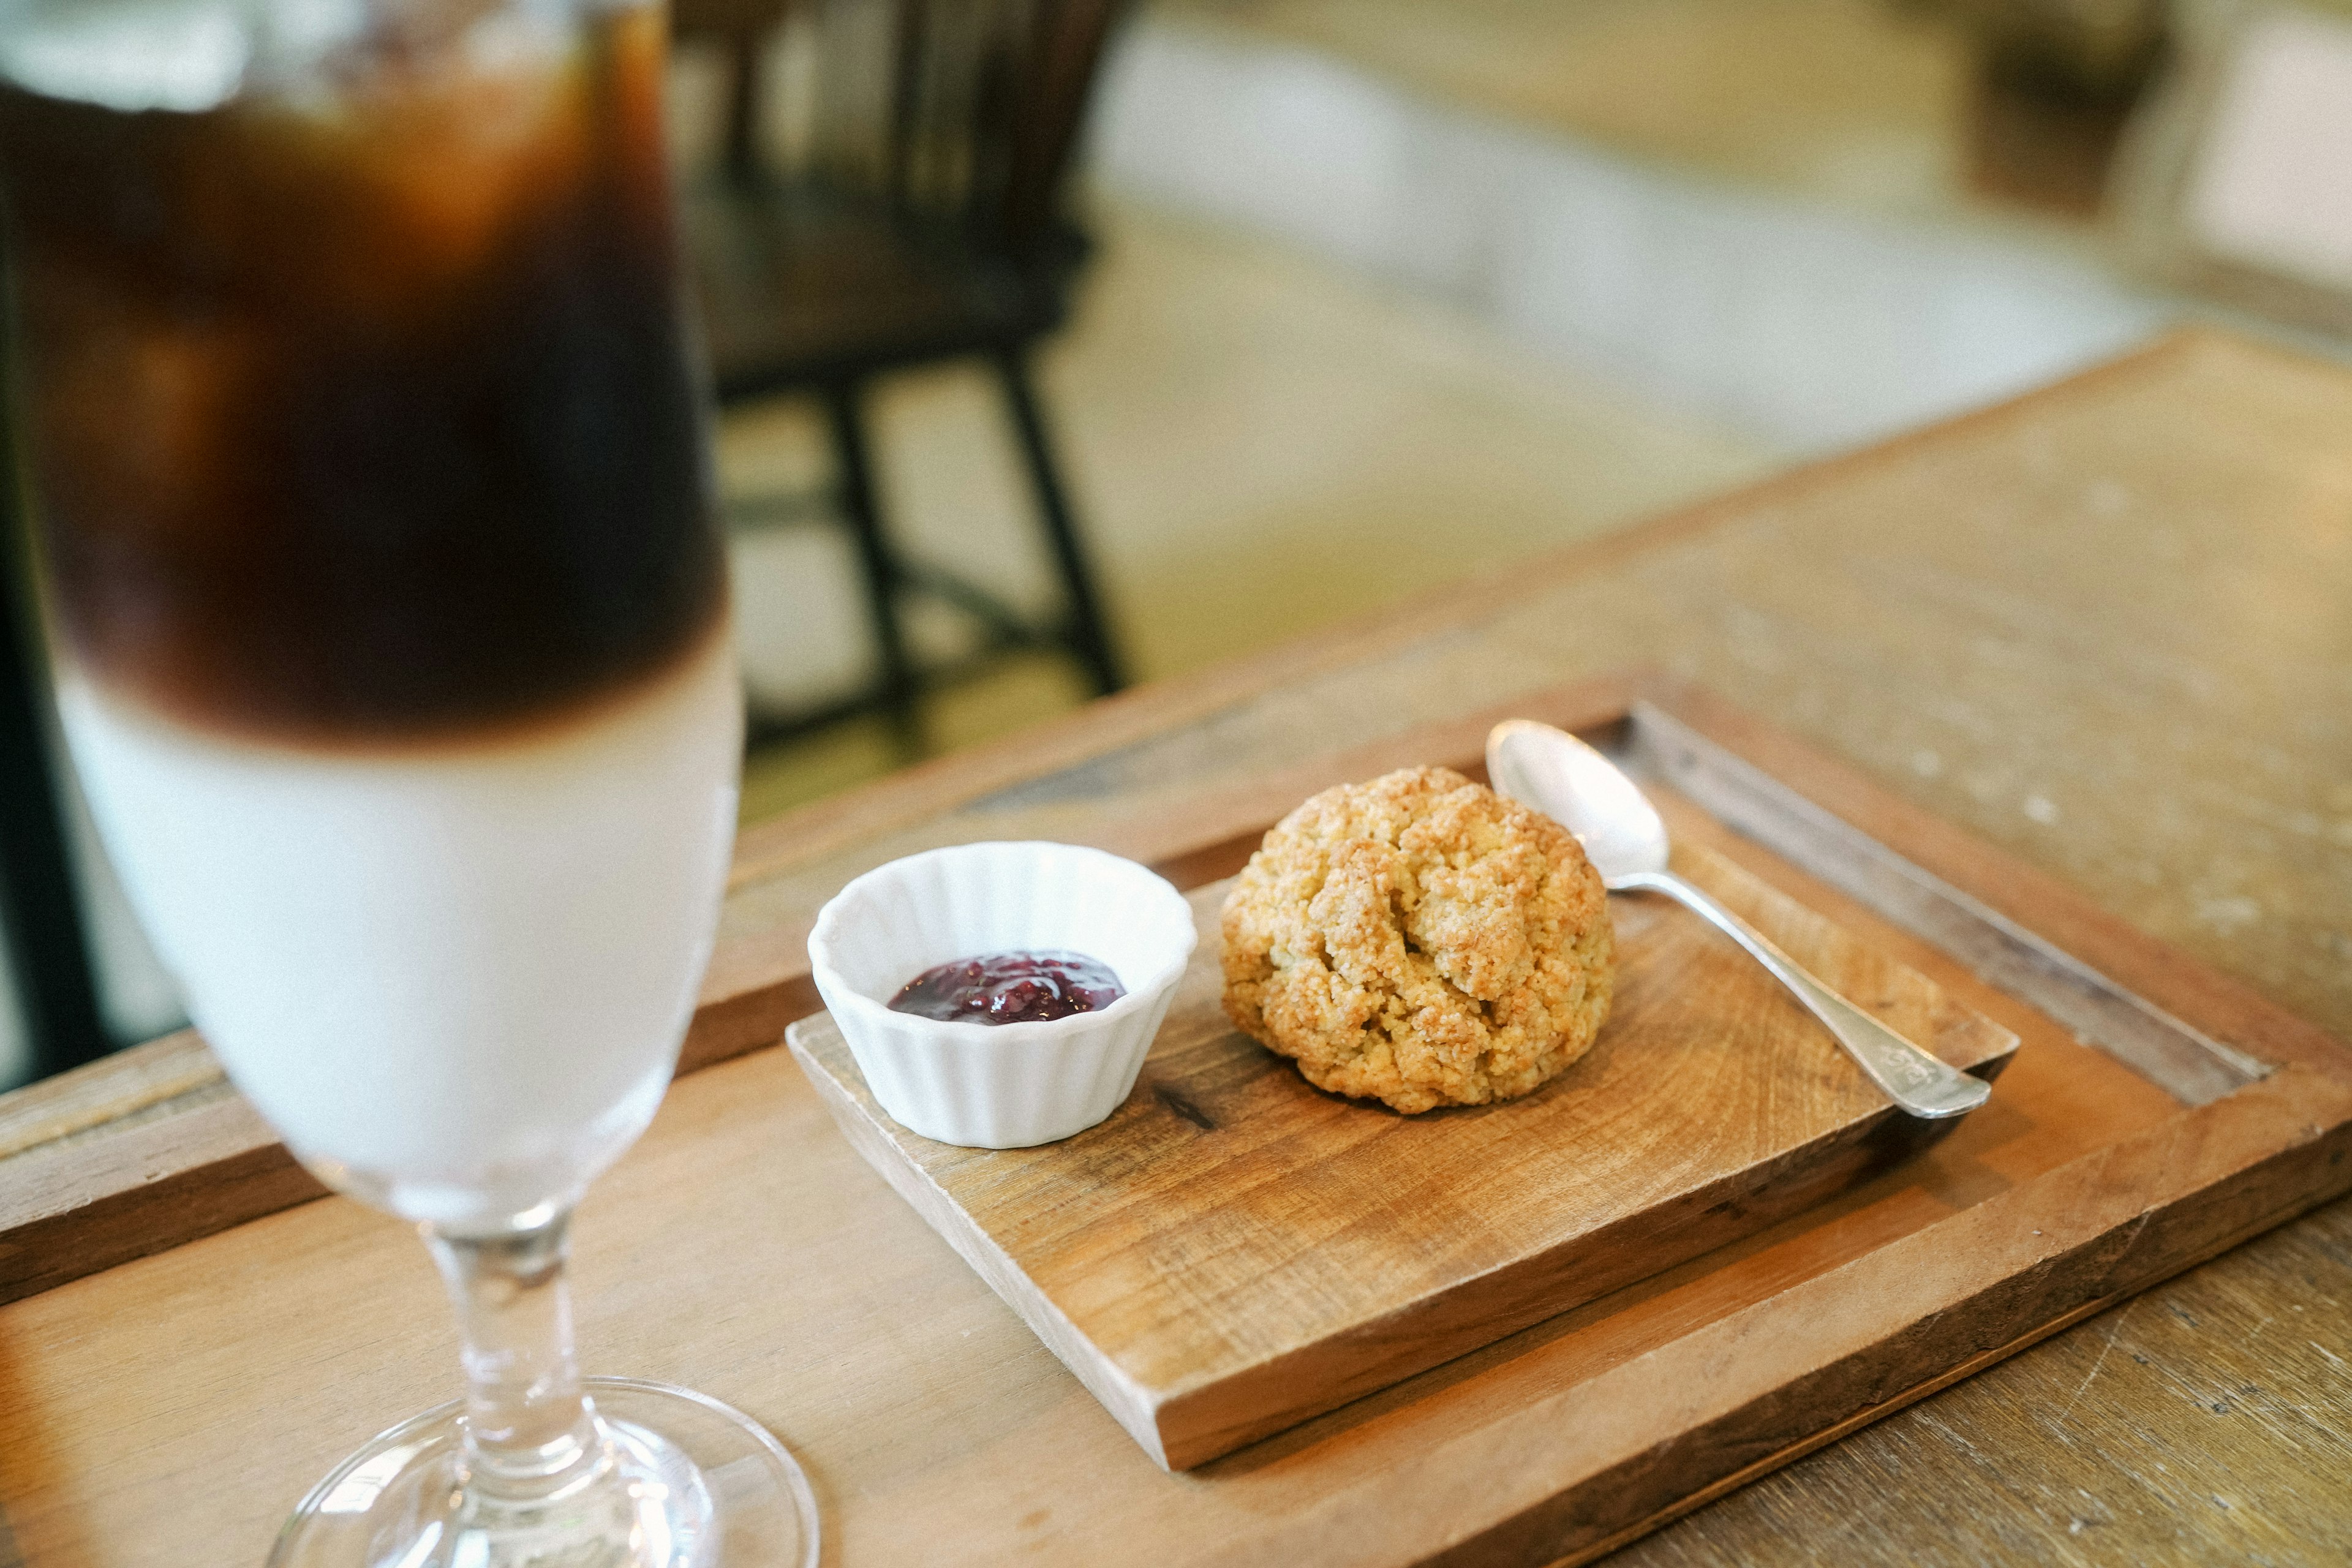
(530, 1432)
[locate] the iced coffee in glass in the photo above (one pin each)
(367, 466)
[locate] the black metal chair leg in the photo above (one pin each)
(1088, 637)
(40, 903)
(846, 411)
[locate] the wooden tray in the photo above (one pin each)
(1234, 1251)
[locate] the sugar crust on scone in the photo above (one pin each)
(1419, 940)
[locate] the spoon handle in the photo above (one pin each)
(1912, 1079)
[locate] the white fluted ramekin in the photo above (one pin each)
(1000, 1086)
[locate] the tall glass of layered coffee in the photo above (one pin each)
(366, 465)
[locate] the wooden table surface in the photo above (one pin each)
(2109, 628)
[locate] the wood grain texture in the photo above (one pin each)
(112, 1090)
(211, 1164)
(1234, 1251)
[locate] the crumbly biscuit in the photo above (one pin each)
(1419, 940)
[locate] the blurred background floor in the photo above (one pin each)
(1260, 444)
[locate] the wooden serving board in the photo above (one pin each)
(1235, 1251)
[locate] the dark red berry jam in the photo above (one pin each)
(1010, 988)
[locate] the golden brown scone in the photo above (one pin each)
(1419, 940)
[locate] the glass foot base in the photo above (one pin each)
(694, 1484)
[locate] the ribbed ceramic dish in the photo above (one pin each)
(1000, 1086)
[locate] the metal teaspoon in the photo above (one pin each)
(1568, 781)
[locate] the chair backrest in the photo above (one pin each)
(956, 114)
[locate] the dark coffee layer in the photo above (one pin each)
(369, 422)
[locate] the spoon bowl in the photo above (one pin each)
(1626, 840)
(1582, 790)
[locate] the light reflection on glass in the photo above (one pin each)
(357, 1492)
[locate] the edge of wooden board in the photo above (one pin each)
(2145, 965)
(1186, 1427)
(1129, 1403)
(1767, 1384)
(1570, 1467)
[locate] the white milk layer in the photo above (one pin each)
(455, 982)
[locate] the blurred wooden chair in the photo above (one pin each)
(51, 973)
(911, 212)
